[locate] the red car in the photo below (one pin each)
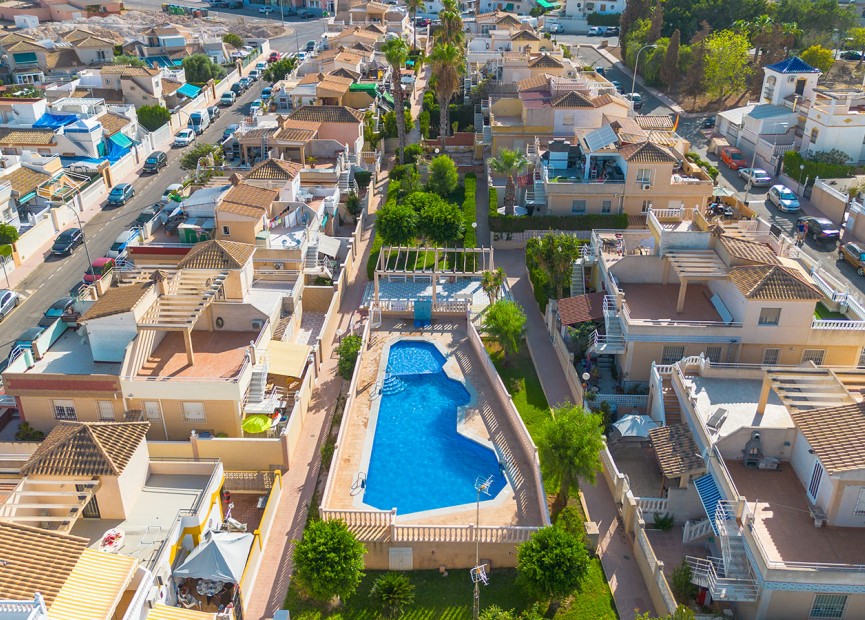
(274, 56)
(733, 158)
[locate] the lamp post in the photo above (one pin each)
(801, 172)
(750, 182)
(83, 237)
(637, 64)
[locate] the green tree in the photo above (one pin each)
(414, 6)
(396, 223)
(819, 57)
(200, 68)
(392, 593)
(152, 117)
(328, 561)
(211, 153)
(442, 223)
(396, 53)
(443, 179)
(570, 448)
(682, 613)
(858, 41)
(132, 61)
(234, 40)
(447, 67)
(670, 68)
(420, 201)
(353, 204)
(492, 283)
(505, 322)
(278, 70)
(509, 163)
(348, 352)
(552, 564)
(656, 24)
(8, 234)
(635, 10)
(423, 120)
(556, 254)
(727, 63)
(450, 29)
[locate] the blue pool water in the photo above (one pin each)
(419, 461)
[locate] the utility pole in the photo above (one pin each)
(478, 573)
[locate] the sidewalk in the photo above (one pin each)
(614, 546)
(271, 583)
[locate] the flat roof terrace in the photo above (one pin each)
(783, 524)
(739, 397)
(656, 303)
(217, 355)
(71, 355)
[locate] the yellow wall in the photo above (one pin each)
(39, 410)
(221, 417)
(240, 229)
(317, 298)
(785, 605)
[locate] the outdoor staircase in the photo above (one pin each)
(345, 181)
(311, 259)
(672, 408)
(578, 271)
(694, 530)
(612, 342)
(257, 383)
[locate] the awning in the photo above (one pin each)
(328, 245)
(94, 587)
(287, 359)
(709, 494)
(188, 90)
(220, 556)
(26, 197)
(121, 140)
(164, 612)
(548, 5)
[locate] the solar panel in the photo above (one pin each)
(600, 138)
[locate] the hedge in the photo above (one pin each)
(374, 251)
(469, 210)
(494, 202)
(813, 169)
(512, 224)
(603, 19)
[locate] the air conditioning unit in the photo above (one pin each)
(257, 324)
(647, 186)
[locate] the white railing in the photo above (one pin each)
(502, 534)
(622, 401)
(360, 518)
(704, 573)
(838, 324)
(136, 605)
(653, 505)
(693, 530)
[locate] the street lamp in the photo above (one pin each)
(750, 182)
(801, 172)
(637, 64)
(83, 236)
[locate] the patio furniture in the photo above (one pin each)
(717, 419)
(209, 587)
(112, 541)
(187, 601)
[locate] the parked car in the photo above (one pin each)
(301, 56)
(67, 241)
(120, 194)
(274, 56)
(235, 5)
(155, 161)
(98, 269)
(245, 82)
(26, 339)
(600, 71)
(120, 247)
(783, 198)
(618, 85)
(310, 46)
(236, 89)
(636, 99)
(756, 176)
(267, 10)
(306, 14)
(596, 31)
(184, 137)
(708, 123)
(147, 214)
(555, 29)
(56, 310)
(851, 55)
(612, 31)
(174, 189)
(261, 66)
(854, 254)
(422, 22)
(820, 228)
(213, 111)
(254, 75)
(9, 300)
(199, 121)
(255, 107)
(229, 131)
(733, 158)
(266, 93)
(228, 98)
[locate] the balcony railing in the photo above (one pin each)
(829, 324)
(705, 572)
(673, 322)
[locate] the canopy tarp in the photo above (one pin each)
(95, 586)
(368, 87)
(220, 556)
(722, 191)
(328, 245)
(548, 5)
(189, 90)
(53, 121)
(256, 423)
(115, 152)
(635, 425)
(121, 140)
(287, 359)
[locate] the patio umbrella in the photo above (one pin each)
(256, 424)
(635, 425)
(722, 191)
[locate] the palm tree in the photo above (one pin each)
(557, 255)
(414, 6)
(396, 53)
(492, 283)
(447, 66)
(570, 449)
(451, 27)
(509, 163)
(392, 593)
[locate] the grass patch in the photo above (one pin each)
(823, 313)
(521, 380)
(594, 600)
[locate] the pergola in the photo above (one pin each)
(697, 265)
(45, 503)
(804, 389)
(432, 262)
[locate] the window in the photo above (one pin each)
(647, 204)
(193, 412)
(64, 410)
(578, 207)
(106, 410)
(671, 355)
(828, 606)
(568, 118)
(769, 316)
(814, 355)
(644, 175)
(815, 133)
(816, 478)
(603, 8)
(226, 230)
(714, 354)
(859, 509)
(151, 410)
(770, 356)
(606, 206)
(100, 54)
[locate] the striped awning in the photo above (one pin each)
(189, 90)
(710, 495)
(164, 612)
(94, 587)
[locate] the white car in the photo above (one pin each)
(757, 176)
(184, 137)
(266, 10)
(783, 197)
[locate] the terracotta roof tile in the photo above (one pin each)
(117, 300)
(582, 308)
(602, 100)
(112, 123)
(676, 450)
(86, 449)
(546, 61)
(253, 212)
(572, 99)
(91, 42)
(773, 283)
(217, 255)
(349, 57)
(654, 122)
(250, 196)
(327, 114)
(12, 137)
(346, 73)
(169, 86)
(646, 153)
(525, 35)
(36, 560)
(274, 170)
(26, 46)
(536, 82)
(749, 250)
(836, 435)
(63, 57)
(25, 179)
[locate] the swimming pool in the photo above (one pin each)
(419, 461)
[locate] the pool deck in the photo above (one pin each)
(513, 506)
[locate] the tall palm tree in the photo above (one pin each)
(509, 163)
(447, 67)
(451, 27)
(557, 255)
(396, 53)
(414, 6)
(492, 283)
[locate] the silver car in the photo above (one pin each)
(9, 300)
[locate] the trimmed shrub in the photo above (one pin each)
(603, 19)
(363, 178)
(469, 211)
(813, 169)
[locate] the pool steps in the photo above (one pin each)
(392, 384)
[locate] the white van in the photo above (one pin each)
(597, 31)
(199, 121)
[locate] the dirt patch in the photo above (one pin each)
(844, 74)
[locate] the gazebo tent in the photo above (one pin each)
(220, 556)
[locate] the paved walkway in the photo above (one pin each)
(482, 206)
(271, 583)
(623, 574)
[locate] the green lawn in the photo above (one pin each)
(521, 380)
(824, 313)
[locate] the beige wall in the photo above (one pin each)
(236, 454)
(220, 417)
(39, 410)
(240, 229)
(132, 480)
(431, 556)
(317, 298)
(785, 605)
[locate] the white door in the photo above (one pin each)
(400, 558)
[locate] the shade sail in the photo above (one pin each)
(635, 425)
(287, 359)
(53, 121)
(256, 424)
(328, 245)
(121, 140)
(220, 556)
(188, 90)
(722, 191)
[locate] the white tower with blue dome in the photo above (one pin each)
(791, 78)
